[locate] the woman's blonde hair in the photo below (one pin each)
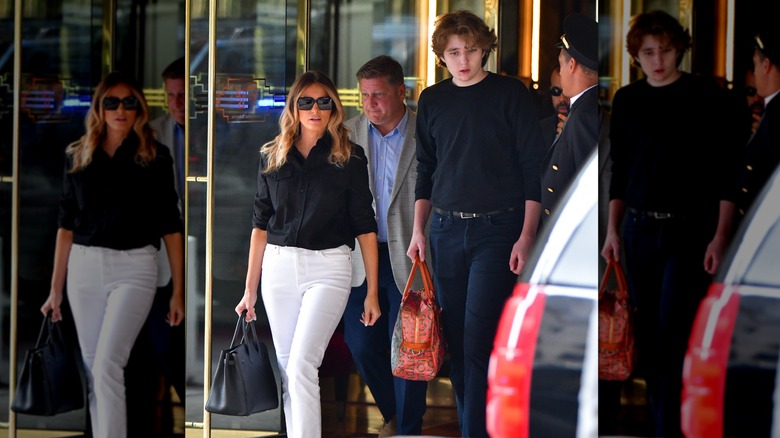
(84, 148)
(277, 149)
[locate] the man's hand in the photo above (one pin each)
(520, 251)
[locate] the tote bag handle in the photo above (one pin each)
(243, 325)
(430, 294)
(622, 284)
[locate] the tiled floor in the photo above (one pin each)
(362, 418)
(358, 416)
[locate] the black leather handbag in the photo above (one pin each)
(51, 379)
(244, 382)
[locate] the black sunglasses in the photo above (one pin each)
(750, 91)
(111, 103)
(556, 91)
(307, 103)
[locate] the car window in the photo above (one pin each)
(762, 269)
(577, 264)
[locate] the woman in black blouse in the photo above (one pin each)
(312, 201)
(118, 200)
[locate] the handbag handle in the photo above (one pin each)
(426, 278)
(242, 324)
(45, 329)
(620, 276)
(48, 329)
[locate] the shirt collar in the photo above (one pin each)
(770, 97)
(574, 99)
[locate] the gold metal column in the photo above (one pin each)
(212, 69)
(303, 34)
(109, 24)
(14, 180)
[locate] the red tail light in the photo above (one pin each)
(511, 363)
(704, 373)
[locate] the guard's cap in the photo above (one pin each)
(768, 42)
(581, 39)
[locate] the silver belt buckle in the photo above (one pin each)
(467, 215)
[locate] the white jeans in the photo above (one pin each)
(110, 294)
(305, 293)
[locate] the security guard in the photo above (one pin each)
(578, 59)
(763, 149)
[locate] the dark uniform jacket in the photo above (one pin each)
(762, 157)
(571, 150)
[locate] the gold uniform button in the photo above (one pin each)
(547, 211)
(741, 211)
(555, 167)
(749, 167)
(744, 189)
(550, 189)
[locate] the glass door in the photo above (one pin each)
(6, 193)
(60, 43)
(64, 47)
(254, 62)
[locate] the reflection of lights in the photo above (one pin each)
(730, 40)
(431, 67)
(535, 42)
(269, 102)
(75, 103)
(234, 99)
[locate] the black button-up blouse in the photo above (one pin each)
(313, 204)
(119, 204)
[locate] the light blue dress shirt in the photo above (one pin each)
(178, 158)
(385, 152)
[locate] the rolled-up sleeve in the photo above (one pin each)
(263, 209)
(68, 206)
(360, 210)
(168, 199)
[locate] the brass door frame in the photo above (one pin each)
(14, 180)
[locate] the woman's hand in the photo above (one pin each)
(176, 310)
(371, 312)
(247, 303)
(52, 305)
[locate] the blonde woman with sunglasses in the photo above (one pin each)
(313, 200)
(118, 201)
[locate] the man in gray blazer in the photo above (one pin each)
(386, 131)
(169, 128)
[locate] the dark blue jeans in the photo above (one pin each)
(370, 347)
(470, 263)
(667, 281)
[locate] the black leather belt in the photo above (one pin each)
(464, 215)
(654, 214)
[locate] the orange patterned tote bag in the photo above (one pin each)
(616, 331)
(418, 344)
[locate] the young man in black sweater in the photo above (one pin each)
(479, 149)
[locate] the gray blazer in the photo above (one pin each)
(400, 214)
